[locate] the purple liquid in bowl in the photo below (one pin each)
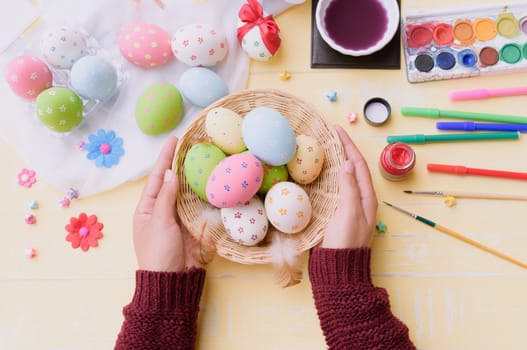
(356, 24)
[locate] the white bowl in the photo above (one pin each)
(392, 11)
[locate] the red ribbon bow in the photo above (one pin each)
(251, 14)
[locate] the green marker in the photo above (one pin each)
(439, 113)
(420, 138)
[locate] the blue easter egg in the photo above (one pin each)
(269, 136)
(202, 86)
(93, 78)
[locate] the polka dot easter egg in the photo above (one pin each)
(306, 165)
(199, 45)
(224, 127)
(199, 162)
(247, 223)
(145, 45)
(59, 109)
(288, 207)
(234, 180)
(92, 77)
(61, 47)
(28, 76)
(159, 109)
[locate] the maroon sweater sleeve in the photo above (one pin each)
(163, 312)
(353, 313)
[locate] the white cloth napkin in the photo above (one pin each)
(57, 159)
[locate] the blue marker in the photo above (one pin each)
(472, 126)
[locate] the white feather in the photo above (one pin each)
(284, 256)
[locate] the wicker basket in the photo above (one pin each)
(304, 119)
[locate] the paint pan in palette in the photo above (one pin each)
(465, 43)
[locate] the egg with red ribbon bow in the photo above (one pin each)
(258, 33)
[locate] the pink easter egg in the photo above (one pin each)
(28, 76)
(145, 45)
(234, 181)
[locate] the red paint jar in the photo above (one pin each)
(397, 161)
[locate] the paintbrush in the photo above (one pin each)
(458, 236)
(475, 195)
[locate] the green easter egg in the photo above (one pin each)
(159, 109)
(59, 109)
(272, 176)
(199, 162)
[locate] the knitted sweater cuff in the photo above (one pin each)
(166, 291)
(339, 266)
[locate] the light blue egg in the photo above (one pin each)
(93, 78)
(269, 136)
(202, 86)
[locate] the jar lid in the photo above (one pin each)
(377, 111)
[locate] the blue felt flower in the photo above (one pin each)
(105, 147)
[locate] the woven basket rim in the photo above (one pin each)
(323, 192)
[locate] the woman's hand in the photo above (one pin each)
(161, 242)
(353, 222)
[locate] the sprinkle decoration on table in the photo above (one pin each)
(33, 205)
(73, 193)
(381, 227)
(27, 177)
(105, 148)
(84, 231)
(30, 252)
(30, 219)
(352, 117)
(284, 75)
(331, 95)
(81, 145)
(64, 202)
(450, 201)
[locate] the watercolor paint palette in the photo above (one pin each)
(465, 43)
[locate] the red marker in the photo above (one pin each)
(463, 170)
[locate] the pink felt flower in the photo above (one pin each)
(27, 177)
(84, 231)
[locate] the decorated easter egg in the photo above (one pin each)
(159, 109)
(28, 76)
(273, 174)
(202, 86)
(268, 135)
(93, 77)
(199, 45)
(288, 207)
(307, 162)
(61, 47)
(258, 33)
(224, 127)
(199, 162)
(59, 108)
(246, 223)
(234, 180)
(145, 45)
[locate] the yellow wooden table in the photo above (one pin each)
(451, 295)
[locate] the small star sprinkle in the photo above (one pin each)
(30, 219)
(331, 95)
(450, 201)
(284, 75)
(30, 252)
(33, 204)
(381, 227)
(64, 202)
(80, 146)
(352, 117)
(73, 193)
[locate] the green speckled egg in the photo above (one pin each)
(199, 162)
(159, 109)
(59, 109)
(273, 174)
